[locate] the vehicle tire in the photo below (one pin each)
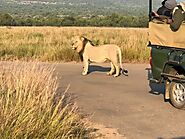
(177, 94)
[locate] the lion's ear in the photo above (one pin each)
(82, 38)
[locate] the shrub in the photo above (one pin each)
(32, 107)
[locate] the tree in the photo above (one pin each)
(69, 21)
(6, 20)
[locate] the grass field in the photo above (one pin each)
(53, 43)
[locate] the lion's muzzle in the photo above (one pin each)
(73, 47)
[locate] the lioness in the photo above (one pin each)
(102, 53)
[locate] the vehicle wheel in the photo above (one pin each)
(177, 94)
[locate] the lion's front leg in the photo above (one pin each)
(86, 66)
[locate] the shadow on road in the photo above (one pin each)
(179, 137)
(173, 138)
(156, 88)
(94, 68)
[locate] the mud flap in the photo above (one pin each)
(167, 90)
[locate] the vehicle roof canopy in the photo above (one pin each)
(161, 34)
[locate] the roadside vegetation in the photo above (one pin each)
(53, 43)
(32, 106)
(112, 20)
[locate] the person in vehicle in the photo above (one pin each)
(173, 13)
(178, 16)
(167, 8)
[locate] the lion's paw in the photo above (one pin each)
(84, 73)
(115, 75)
(109, 74)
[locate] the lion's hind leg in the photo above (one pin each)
(112, 69)
(117, 70)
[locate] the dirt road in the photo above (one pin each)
(124, 102)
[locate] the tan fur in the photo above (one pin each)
(98, 54)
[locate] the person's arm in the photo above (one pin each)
(178, 17)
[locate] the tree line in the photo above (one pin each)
(113, 20)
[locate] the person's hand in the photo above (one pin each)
(154, 14)
(169, 21)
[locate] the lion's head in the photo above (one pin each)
(78, 43)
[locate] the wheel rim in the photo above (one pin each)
(179, 93)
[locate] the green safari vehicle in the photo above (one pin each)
(167, 59)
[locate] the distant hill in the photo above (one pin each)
(75, 7)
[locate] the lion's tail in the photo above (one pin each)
(123, 71)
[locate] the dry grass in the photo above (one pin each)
(31, 108)
(53, 43)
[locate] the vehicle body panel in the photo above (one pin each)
(165, 58)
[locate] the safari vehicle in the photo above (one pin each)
(168, 59)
